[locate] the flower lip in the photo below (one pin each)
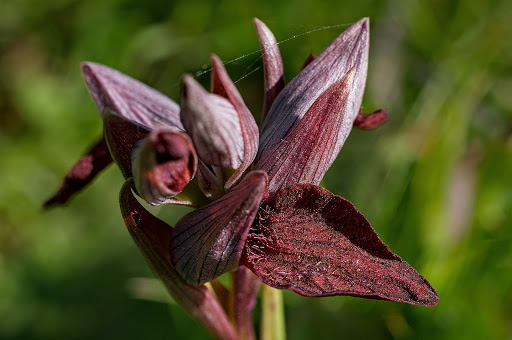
(317, 244)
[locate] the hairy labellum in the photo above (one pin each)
(317, 244)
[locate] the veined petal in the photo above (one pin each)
(317, 244)
(349, 50)
(213, 124)
(272, 65)
(223, 86)
(129, 98)
(306, 153)
(163, 165)
(153, 237)
(208, 242)
(83, 172)
(122, 135)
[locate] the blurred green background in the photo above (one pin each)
(435, 181)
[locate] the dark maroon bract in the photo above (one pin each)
(258, 202)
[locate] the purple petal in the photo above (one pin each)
(304, 155)
(208, 242)
(223, 86)
(272, 65)
(129, 98)
(82, 173)
(317, 244)
(349, 50)
(153, 237)
(213, 124)
(122, 135)
(163, 164)
(372, 120)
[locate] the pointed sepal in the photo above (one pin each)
(208, 242)
(163, 164)
(318, 244)
(306, 152)
(347, 51)
(83, 172)
(130, 98)
(272, 65)
(153, 237)
(223, 86)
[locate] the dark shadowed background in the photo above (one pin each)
(435, 181)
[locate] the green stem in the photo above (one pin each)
(272, 320)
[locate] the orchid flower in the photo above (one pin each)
(256, 194)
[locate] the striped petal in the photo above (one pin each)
(208, 242)
(304, 155)
(213, 124)
(272, 65)
(223, 86)
(153, 238)
(129, 98)
(349, 50)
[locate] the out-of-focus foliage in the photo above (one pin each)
(435, 181)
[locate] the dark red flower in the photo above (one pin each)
(256, 193)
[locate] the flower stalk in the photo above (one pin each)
(272, 314)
